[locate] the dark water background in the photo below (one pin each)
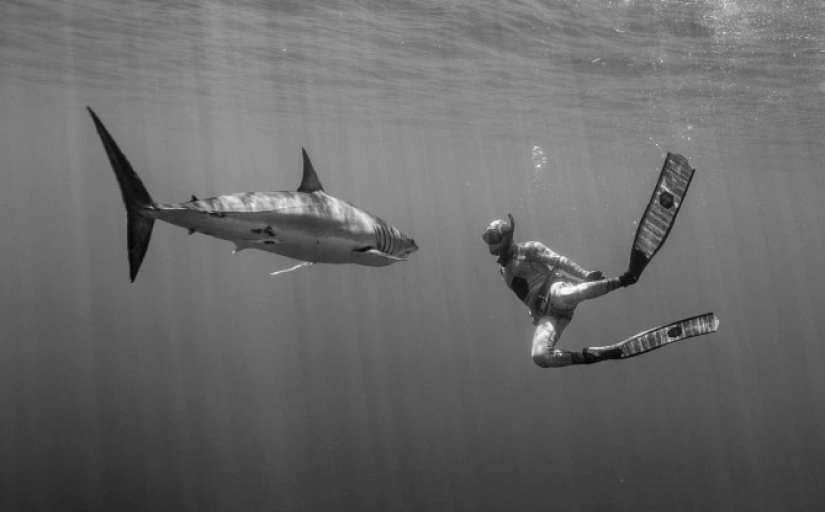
(210, 385)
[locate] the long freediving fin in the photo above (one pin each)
(661, 211)
(659, 337)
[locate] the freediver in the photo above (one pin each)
(536, 274)
(552, 285)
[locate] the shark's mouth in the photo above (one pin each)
(369, 248)
(379, 258)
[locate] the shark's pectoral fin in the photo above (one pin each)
(372, 257)
(290, 269)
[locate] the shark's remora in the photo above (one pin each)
(307, 225)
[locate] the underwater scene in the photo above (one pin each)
(396, 208)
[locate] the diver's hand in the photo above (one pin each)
(594, 275)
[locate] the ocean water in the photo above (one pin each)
(210, 385)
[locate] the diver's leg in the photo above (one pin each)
(565, 296)
(547, 334)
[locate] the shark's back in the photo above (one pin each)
(317, 207)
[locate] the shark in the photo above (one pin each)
(307, 225)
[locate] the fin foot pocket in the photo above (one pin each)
(598, 354)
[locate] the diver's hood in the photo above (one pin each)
(501, 230)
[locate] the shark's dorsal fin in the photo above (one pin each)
(194, 199)
(309, 182)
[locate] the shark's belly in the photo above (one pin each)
(302, 237)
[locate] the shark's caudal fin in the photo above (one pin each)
(135, 197)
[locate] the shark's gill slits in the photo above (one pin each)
(380, 238)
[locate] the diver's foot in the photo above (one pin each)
(594, 354)
(628, 279)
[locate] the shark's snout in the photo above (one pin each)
(408, 246)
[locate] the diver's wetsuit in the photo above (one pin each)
(536, 275)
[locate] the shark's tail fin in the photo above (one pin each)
(135, 196)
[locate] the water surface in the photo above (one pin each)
(209, 385)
